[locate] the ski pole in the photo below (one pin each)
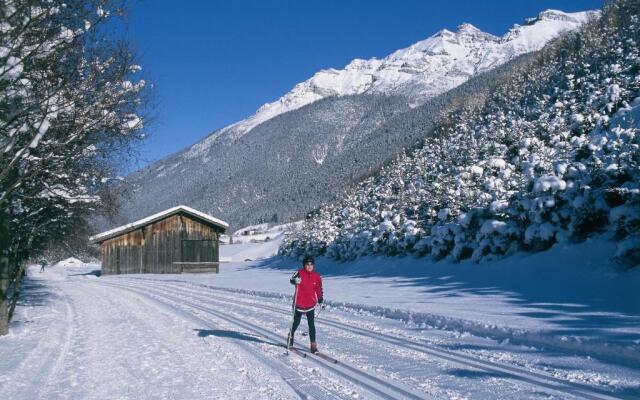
(293, 309)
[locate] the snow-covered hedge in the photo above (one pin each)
(552, 155)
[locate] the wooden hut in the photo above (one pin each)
(177, 240)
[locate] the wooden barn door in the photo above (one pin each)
(198, 251)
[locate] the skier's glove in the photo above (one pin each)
(297, 280)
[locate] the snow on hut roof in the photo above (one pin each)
(155, 217)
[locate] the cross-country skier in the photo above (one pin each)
(308, 294)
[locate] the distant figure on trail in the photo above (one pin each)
(43, 263)
(308, 293)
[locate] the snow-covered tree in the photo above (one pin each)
(71, 108)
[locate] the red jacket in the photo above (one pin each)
(309, 289)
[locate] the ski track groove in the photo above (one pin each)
(70, 313)
(381, 388)
(118, 303)
(293, 379)
(48, 365)
(530, 377)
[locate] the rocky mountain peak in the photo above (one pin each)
(556, 15)
(423, 70)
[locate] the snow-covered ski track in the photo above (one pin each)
(302, 387)
(407, 362)
(43, 364)
(375, 386)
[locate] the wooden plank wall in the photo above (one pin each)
(156, 247)
(194, 230)
(161, 246)
(123, 254)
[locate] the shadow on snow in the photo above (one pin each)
(222, 333)
(565, 289)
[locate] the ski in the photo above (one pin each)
(296, 351)
(326, 357)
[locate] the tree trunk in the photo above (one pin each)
(4, 272)
(4, 288)
(19, 270)
(16, 291)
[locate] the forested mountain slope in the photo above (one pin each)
(552, 156)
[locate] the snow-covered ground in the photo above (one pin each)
(557, 324)
(560, 296)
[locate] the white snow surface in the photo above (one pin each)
(265, 240)
(562, 324)
(421, 71)
(71, 262)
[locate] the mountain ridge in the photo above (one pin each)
(394, 73)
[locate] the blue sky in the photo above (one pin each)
(213, 63)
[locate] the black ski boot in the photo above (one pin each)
(314, 347)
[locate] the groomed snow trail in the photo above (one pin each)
(406, 366)
(372, 384)
(38, 363)
(405, 344)
(115, 344)
(152, 337)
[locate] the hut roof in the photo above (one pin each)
(101, 237)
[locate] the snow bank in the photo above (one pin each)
(70, 262)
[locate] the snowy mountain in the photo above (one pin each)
(420, 71)
(335, 128)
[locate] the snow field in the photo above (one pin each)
(396, 335)
(407, 363)
(38, 348)
(558, 299)
(118, 345)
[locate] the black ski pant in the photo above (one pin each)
(312, 327)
